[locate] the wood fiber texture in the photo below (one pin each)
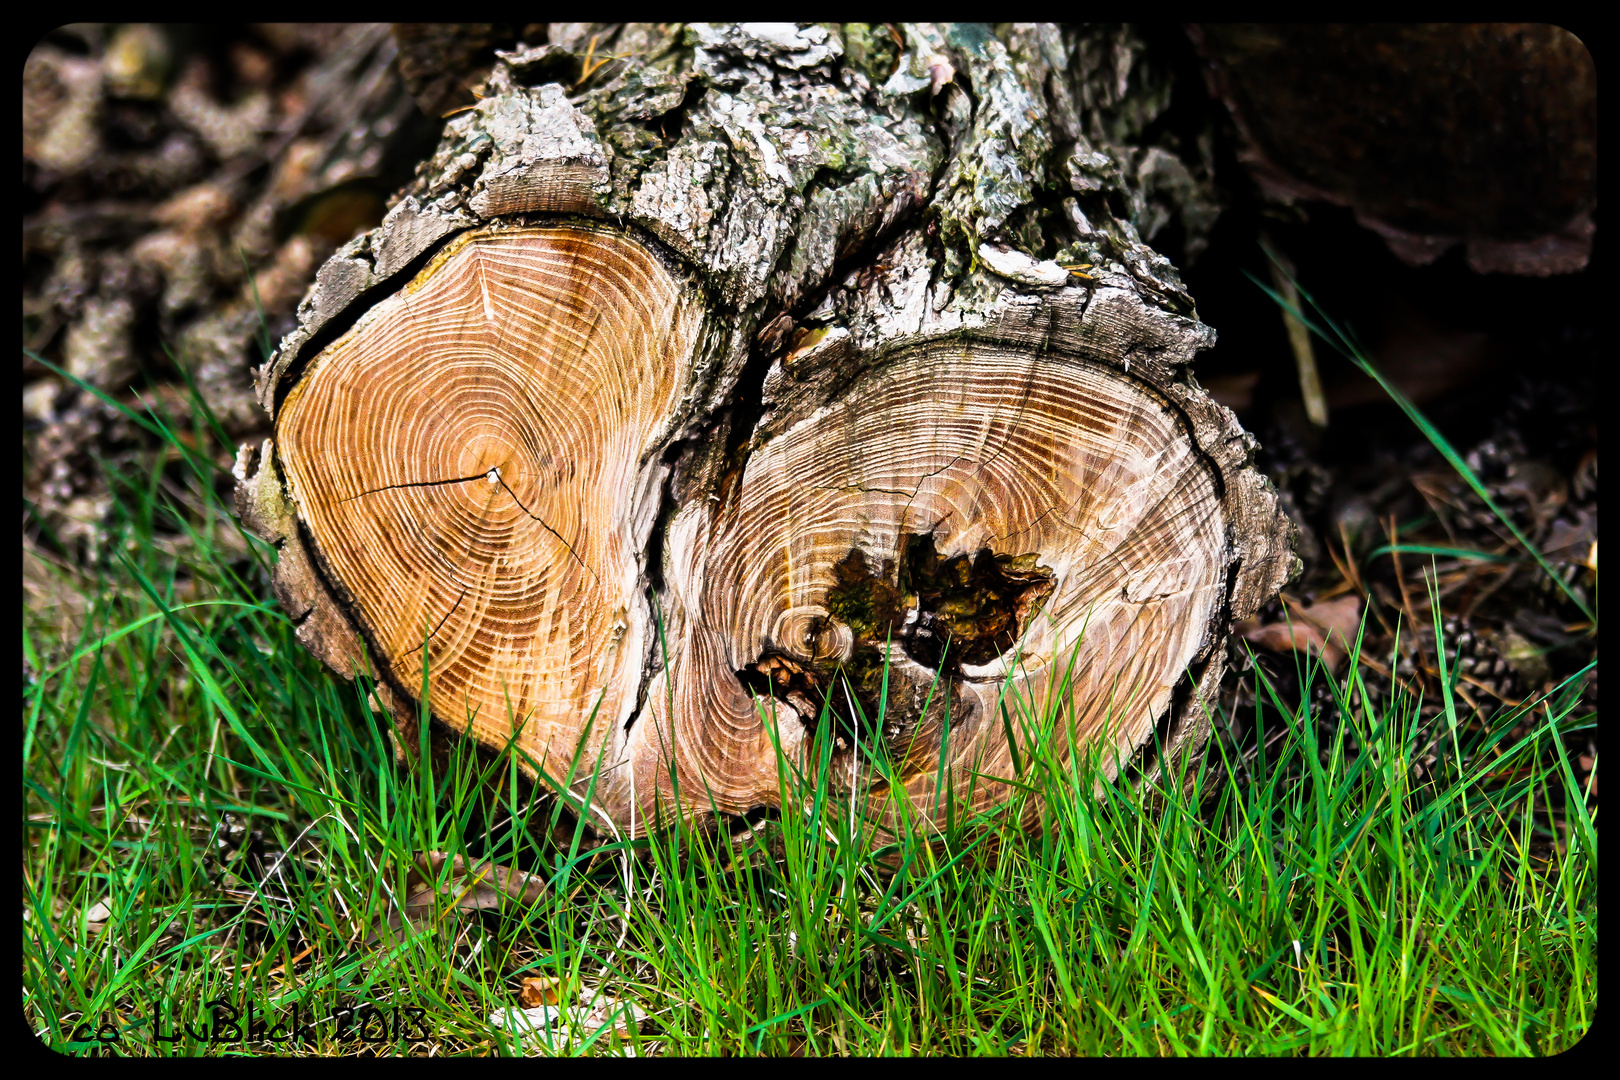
(471, 456)
(960, 451)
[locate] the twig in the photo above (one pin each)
(1299, 338)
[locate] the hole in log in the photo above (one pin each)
(942, 612)
(781, 677)
(978, 605)
(811, 691)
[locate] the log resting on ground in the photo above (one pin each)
(767, 401)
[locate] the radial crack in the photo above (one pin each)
(502, 481)
(416, 483)
(431, 633)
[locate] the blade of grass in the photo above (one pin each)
(1345, 344)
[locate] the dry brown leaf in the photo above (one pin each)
(430, 887)
(1573, 541)
(1327, 629)
(541, 990)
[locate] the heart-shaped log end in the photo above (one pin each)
(931, 567)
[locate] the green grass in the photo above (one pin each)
(1312, 897)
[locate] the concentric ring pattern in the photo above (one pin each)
(473, 459)
(979, 447)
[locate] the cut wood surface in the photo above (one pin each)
(471, 456)
(989, 526)
(746, 408)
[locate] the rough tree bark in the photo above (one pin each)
(666, 412)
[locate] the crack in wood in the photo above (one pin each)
(501, 480)
(465, 589)
(414, 483)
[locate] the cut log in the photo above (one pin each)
(673, 447)
(981, 528)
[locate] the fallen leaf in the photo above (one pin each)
(1539, 484)
(1573, 541)
(540, 990)
(430, 885)
(1327, 629)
